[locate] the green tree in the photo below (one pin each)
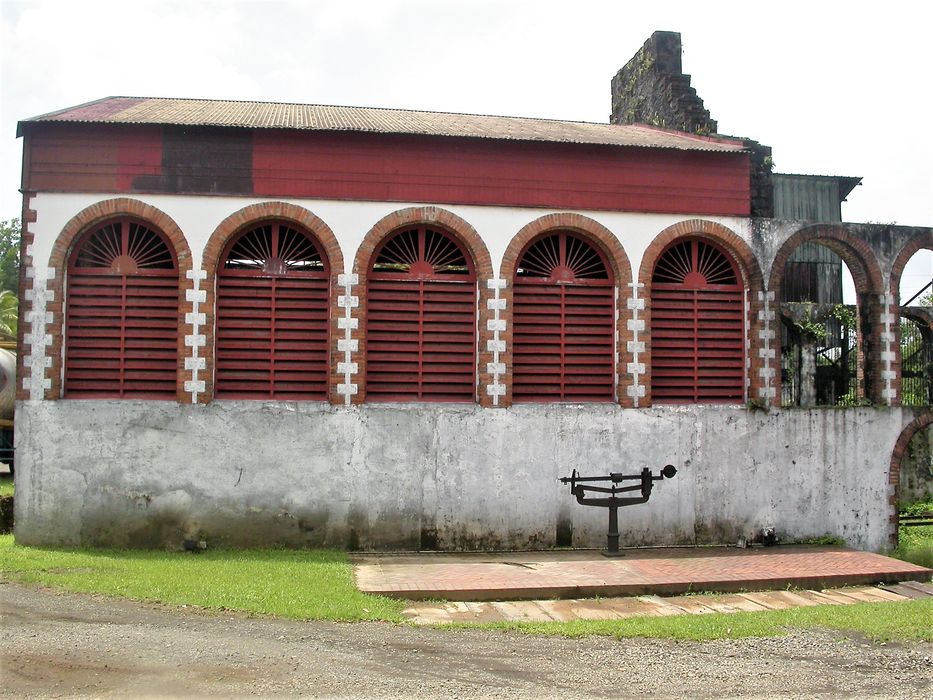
(9, 254)
(9, 314)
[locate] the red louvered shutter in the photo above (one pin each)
(563, 316)
(273, 295)
(121, 314)
(421, 319)
(697, 326)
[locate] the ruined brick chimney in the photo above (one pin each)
(653, 89)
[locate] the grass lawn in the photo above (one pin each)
(915, 544)
(906, 621)
(318, 585)
(304, 585)
(6, 485)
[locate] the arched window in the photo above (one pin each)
(121, 313)
(273, 295)
(697, 326)
(421, 319)
(563, 322)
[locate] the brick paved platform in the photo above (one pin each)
(583, 574)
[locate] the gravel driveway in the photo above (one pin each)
(60, 644)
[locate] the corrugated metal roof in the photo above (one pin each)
(275, 115)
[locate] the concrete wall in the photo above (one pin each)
(148, 474)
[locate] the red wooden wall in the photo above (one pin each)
(382, 167)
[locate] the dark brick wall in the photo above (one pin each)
(652, 89)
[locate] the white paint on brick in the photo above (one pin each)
(194, 387)
(348, 345)
(198, 363)
(195, 340)
(36, 337)
(636, 368)
(196, 296)
(767, 352)
(496, 346)
(888, 393)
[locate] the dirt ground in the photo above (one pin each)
(64, 645)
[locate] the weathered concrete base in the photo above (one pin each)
(408, 477)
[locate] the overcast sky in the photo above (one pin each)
(833, 88)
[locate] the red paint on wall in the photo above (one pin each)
(473, 171)
(82, 158)
(385, 167)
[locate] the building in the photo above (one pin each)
(256, 323)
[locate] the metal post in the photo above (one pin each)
(612, 537)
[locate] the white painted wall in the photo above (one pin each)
(149, 473)
(198, 216)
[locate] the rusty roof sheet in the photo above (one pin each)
(276, 115)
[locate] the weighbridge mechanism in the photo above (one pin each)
(583, 486)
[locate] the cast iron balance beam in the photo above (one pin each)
(580, 487)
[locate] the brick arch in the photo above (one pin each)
(924, 240)
(856, 253)
(475, 246)
(608, 243)
(868, 278)
(749, 268)
(253, 215)
(84, 220)
(917, 243)
(894, 471)
(447, 220)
